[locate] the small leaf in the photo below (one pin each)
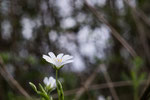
(42, 89)
(33, 87)
(43, 95)
(138, 62)
(61, 91)
(141, 77)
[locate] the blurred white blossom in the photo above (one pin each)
(101, 97)
(50, 82)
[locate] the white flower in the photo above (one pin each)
(50, 82)
(101, 97)
(58, 61)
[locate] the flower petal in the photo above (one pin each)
(48, 59)
(53, 82)
(68, 61)
(66, 57)
(58, 64)
(59, 56)
(46, 81)
(52, 55)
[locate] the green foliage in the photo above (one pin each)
(33, 87)
(9, 57)
(12, 96)
(136, 76)
(6, 56)
(137, 63)
(60, 91)
(31, 60)
(42, 92)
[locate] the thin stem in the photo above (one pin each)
(57, 85)
(135, 93)
(56, 76)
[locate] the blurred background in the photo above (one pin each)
(109, 40)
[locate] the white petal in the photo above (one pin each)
(45, 81)
(52, 82)
(66, 57)
(66, 62)
(51, 79)
(59, 56)
(52, 55)
(48, 59)
(58, 64)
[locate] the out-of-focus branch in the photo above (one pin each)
(113, 30)
(140, 29)
(91, 78)
(146, 93)
(139, 13)
(142, 36)
(11, 81)
(108, 80)
(86, 84)
(101, 86)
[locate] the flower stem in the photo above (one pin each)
(59, 88)
(57, 85)
(56, 76)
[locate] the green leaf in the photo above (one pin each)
(134, 79)
(33, 87)
(141, 77)
(61, 90)
(42, 89)
(138, 62)
(43, 95)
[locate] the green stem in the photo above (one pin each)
(57, 85)
(135, 93)
(56, 76)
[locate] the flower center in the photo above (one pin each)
(59, 60)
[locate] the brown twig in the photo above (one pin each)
(100, 86)
(140, 29)
(108, 80)
(11, 81)
(139, 13)
(142, 36)
(146, 91)
(86, 84)
(114, 32)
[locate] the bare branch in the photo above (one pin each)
(100, 86)
(11, 81)
(139, 13)
(86, 84)
(108, 80)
